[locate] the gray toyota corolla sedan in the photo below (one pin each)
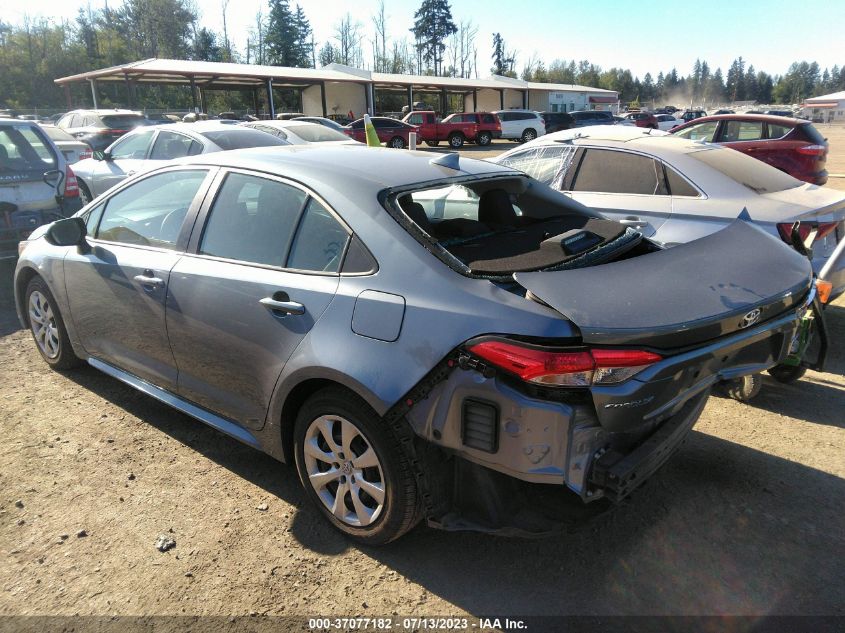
(504, 363)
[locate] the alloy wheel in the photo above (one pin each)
(344, 470)
(43, 324)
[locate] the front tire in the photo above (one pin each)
(397, 142)
(484, 138)
(432, 143)
(456, 141)
(528, 135)
(354, 469)
(85, 193)
(47, 327)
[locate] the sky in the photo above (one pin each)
(644, 36)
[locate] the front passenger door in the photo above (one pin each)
(261, 271)
(118, 289)
(127, 156)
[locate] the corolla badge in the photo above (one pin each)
(750, 319)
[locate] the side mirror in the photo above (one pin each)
(67, 232)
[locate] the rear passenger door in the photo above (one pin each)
(263, 264)
(625, 186)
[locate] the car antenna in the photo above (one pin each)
(450, 160)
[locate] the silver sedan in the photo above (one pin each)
(146, 147)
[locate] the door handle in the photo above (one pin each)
(148, 279)
(634, 222)
(288, 307)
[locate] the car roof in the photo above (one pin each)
(347, 168)
(102, 111)
(282, 124)
(768, 118)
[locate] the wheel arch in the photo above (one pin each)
(22, 279)
(292, 393)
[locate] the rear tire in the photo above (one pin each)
(331, 423)
(47, 326)
(787, 373)
(456, 140)
(397, 142)
(432, 143)
(528, 135)
(484, 138)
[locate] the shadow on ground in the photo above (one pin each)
(706, 536)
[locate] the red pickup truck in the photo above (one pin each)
(433, 131)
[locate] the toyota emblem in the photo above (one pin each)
(751, 318)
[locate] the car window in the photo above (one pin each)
(741, 131)
(609, 171)
(749, 172)
(121, 121)
(700, 132)
(132, 146)
(24, 153)
(779, 131)
(240, 137)
(320, 241)
(253, 220)
(383, 123)
(58, 134)
(357, 125)
(92, 218)
(548, 164)
(150, 212)
(169, 145)
(488, 118)
(317, 133)
(506, 116)
(415, 119)
(678, 185)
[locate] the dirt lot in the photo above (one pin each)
(745, 519)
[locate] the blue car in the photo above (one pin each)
(417, 356)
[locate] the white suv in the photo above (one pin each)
(521, 125)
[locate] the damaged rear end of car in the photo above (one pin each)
(518, 434)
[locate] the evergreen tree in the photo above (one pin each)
(302, 44)
(281, 39)
(205, 47)
(433, 24)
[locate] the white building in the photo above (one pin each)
(826, 108)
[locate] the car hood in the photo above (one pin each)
(681, 296)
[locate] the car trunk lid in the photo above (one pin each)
(679, 297)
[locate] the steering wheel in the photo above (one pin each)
(172, 221)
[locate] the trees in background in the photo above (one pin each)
(36, 51)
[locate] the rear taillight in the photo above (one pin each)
(567, 368)
(812, 150)
(71, 184)
(804, 229)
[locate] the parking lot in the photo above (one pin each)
(745, 519)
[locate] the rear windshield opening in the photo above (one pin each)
(749, 172)
(498, 227)
(317, 133)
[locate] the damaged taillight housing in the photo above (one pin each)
(563, 368)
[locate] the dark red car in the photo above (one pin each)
(487, 125)
(390, 131)
(791, 145)
(643, 119)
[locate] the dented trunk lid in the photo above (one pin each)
(686, 295)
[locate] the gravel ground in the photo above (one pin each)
(96, 479)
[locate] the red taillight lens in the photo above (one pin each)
(71, 184)
(812, 150)
(825, 228)
(576, 368)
